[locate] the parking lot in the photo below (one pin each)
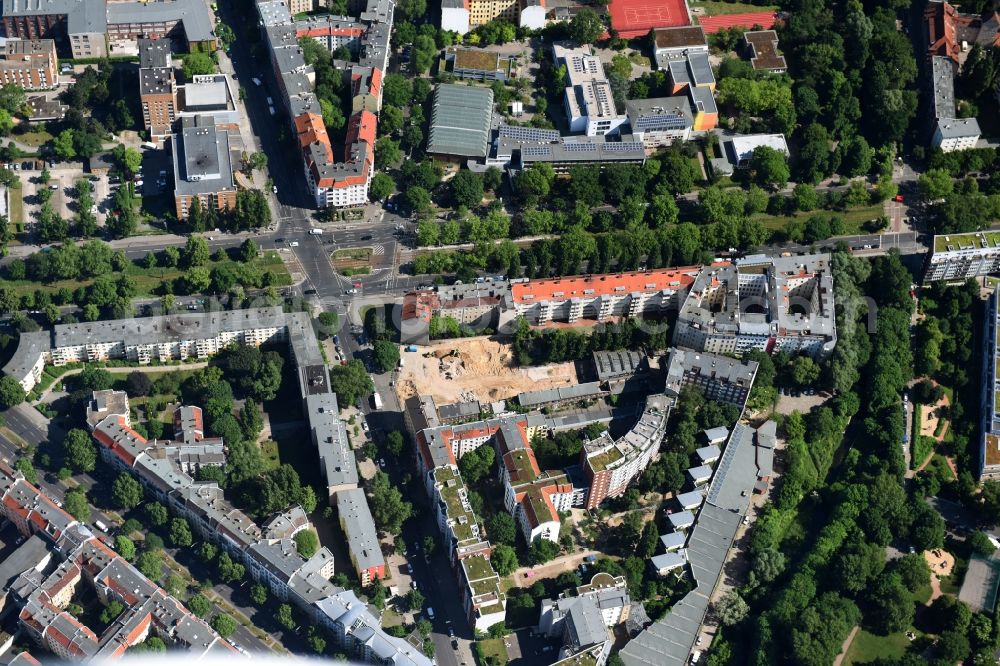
(62, 183)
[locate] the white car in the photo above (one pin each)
(256, 81)
(293, 244)
(274, 189)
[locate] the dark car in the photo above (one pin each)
(279, 240)
(367, 237)
(309, 291)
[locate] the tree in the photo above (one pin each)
(258, 593)
(731, 608)
(307, 543)
(285, 617)
(180, 532)
(386, 355)
(935, 184)
(585, 27)
(257, 160)
(199, 605)
(62, 145)
(126, 491)
(314, 637)
(648, 541)
(856, 157)
(75, 504)
(804, 371)
(952, 647)
(111, 612)
(415, 600)
(197, 63)
(387, 505)
(249, 250)
(981, 544)
(534, 182)
(196, 252)
(504, 559)
(387, 153)
(467, 189)
(229, 570)
(477, 464)
(350, 382)
(501, 528)
(150, 565)
(543, 550)
(418, 199)
(382, 186)
(769, 167)
(927, 531)
(224, 625)
(151, 644)
(892, 606)
(125, 546)
(81, 454)
(138, 384)
(11, 392)
(157, 514)
(768, 565)
(130, 159)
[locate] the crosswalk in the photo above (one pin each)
(378, 249)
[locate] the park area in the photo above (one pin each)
(475, 369)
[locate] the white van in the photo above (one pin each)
(430, 612)
(101, 526)
(316, 232)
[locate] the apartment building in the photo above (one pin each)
(589, 103)
(157, 87)
(950, 132)
(29, 63)
(362, 537)
(958, 257)
(333, 182)
(86, 561)
(461, 16)
(611, 465)
(609, 593)
(722, 378)
(989, 443)
(203, 167)
(760, 302)
(602, 297)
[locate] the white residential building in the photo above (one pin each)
(589, 102)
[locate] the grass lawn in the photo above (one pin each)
(492, 647)
(147, 280)
(360, 253)
(867, 647)
(716, 7)
(853, 218)
(923, 593)
(34, 138)
(15, 205)
(269, 449)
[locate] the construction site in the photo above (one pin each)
(479, 369)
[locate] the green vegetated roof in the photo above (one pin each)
(969, 241)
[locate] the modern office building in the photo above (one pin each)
(203, 168)
(659, 121)
(29, 63)
(611, 465)
(958, 257)
(722, 378)
(760, 302)
(589, 103)
(692, 75)
(989, 444)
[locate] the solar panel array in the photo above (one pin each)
(527, 133)
(580, 147)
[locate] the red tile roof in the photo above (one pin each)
(593, 286)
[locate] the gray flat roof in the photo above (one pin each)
(359, 527)
(193, 14)
(577, 391)
(202, 160)
(30, 347)
(81, 15)
(461, 120)
(154, 53)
